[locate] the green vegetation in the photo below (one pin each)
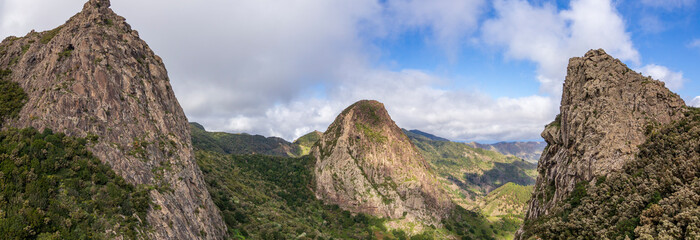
(556, 123)
(368, 110)
(46, 38)
(371, 134)
(53, 188)
(477, 172)
(474, 168)
(65, 53)
(509, 199)
(12, 97)
(656, 196)
(242, 144)
(307, 141)
(268, 197)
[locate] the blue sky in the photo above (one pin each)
(468, 70)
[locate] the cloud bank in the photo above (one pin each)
(285, 68)
(549, 36)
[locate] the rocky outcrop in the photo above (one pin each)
(366, 164)
(94, 76)
(605, 109)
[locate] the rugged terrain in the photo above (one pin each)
(242, 144)
(528, 151)
(94, 77)
(475, 171)
(270, 197)
(366, 164)
(607, 111)
(479, 179)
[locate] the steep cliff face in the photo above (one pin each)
(94, 76)
(365, 163)
(605, 109)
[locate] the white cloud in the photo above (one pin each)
(669, 4)
(413, 102)
(673, 80)
(695, 102)
(284, 68)
(549, 37)
(695, 43)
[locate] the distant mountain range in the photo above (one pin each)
(529, 151)
(94, 145)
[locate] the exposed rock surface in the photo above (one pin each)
(95, 76)
(605, 109)
(365, 163)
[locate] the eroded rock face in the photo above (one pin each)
(605, 109)
(366, 164)
(95, 76)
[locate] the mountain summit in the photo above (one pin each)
(606, 109)
(94, 76)
(366, 164)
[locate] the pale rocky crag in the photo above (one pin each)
(366, 164)
(95, 76)
(605, 109)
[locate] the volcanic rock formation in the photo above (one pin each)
(95, 76)
(605, 109)
(366, 164)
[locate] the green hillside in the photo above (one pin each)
(229, 143)
(307, 141)
(475, 170)
(509, 199)
(270, 197)
(497, 185)
(53, 188)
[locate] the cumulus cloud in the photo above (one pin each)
(673, 80)
(549, 37)
(669, 4)
(695, 102)
(413, 101)
(284, 68)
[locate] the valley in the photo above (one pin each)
(94, 144)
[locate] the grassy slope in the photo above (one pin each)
(469, 174)
(307, 141)
(229, 143)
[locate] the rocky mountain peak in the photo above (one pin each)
(96, 4)
(365, 163)
(95, 76)
(605, 109)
